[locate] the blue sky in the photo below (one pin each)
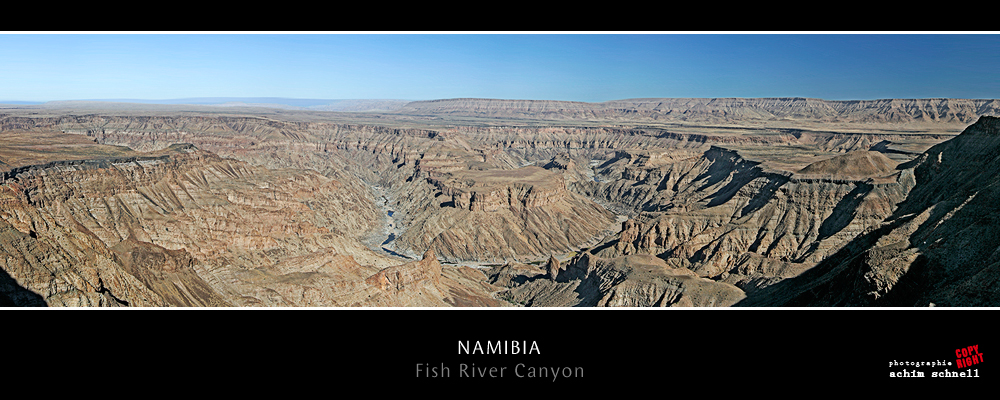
(579, 67)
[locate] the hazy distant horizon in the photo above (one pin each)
(344, 105)
(295, 102)
(305, 103)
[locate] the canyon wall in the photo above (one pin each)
(198, 210)
(719, 109)
(195, 229)
(939, 247)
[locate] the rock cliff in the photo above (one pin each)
(630, 281)
(791, 200)
(719, 109)
(937, 248)
(732, 220)
(188, 228)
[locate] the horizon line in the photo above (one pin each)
(244, 98)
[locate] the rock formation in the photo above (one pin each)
(938, 246)
(553, 268)
(504, 214)
(856, 164)
(631, 281)
(728, 218)
(718, 109)
(188, 228)
(649, 202)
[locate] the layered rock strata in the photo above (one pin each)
(591, 281)
(189, 228)
(729, 219)
(717, 109)
(499, 215)
(937, 248)
(285, 224)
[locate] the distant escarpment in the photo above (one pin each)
(323, 145)
(939, 247)
(720, 109)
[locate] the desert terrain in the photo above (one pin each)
(778, 202)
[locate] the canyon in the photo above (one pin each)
(783, 202)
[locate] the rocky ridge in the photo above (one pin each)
(194, 229)
(630, 281)
(729, 219)
(720, 109)
(937, 248)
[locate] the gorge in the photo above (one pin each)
(496, 203)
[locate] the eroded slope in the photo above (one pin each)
(939, 247)
(708, 209)
(189, 228)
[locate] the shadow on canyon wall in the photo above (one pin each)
(14, 295)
